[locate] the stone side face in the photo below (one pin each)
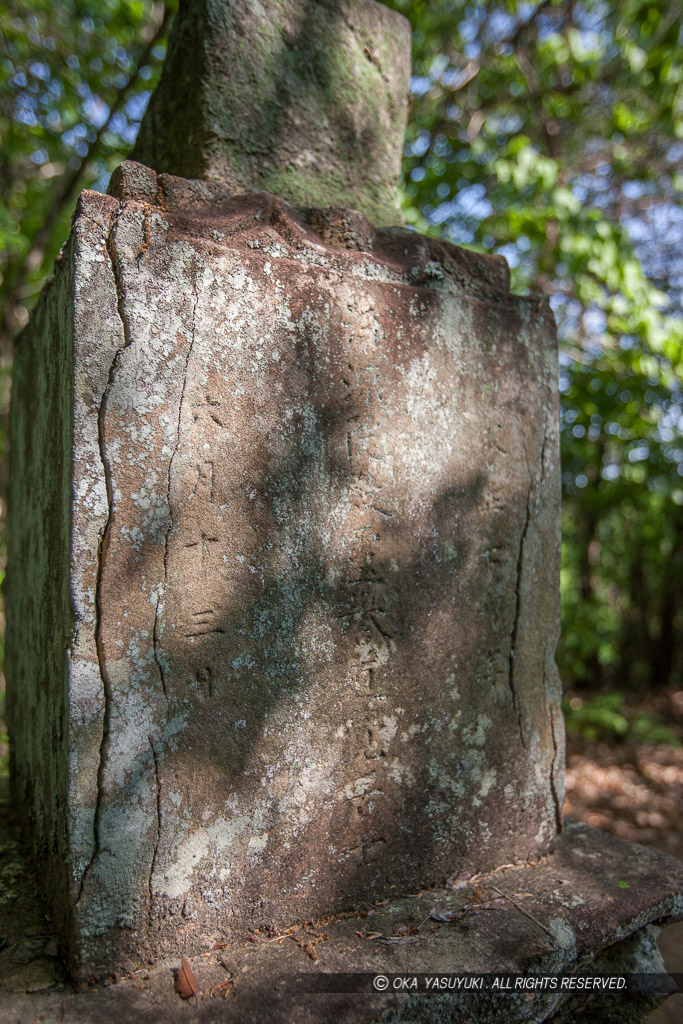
(307, 100)
(36, 588)
(314, 566)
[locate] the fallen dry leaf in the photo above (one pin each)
(392, 940)
(459, 880)
(224, 989)
(451, 916)
(343, 915)
(406, 929)
(186, 984)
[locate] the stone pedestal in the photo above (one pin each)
(283, 568)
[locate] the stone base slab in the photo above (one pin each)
(592, 906)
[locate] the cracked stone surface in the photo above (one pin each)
(283, 568)
(593, 906)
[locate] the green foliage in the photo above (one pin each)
(605, 717)
(74, 80)
(550, 133)
(4, 743)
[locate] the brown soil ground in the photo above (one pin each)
(635, 791)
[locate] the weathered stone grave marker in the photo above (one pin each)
(283, 586)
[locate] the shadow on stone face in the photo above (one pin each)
(282, 983)
(336, 622)
(324, 595)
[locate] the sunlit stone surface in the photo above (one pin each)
(306, 653)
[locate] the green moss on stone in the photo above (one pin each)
(304, 99)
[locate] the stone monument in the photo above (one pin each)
(284, 515)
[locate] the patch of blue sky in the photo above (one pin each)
(95, 111)
(40, 70)
(419, 146)
(121, 126)
(420, 84)
(136, 105)
(640, 453)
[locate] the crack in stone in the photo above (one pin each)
(155, 628)
(553, 782)
(157, 780)
(557, 801)
(515, 622)
(155, 631)
(518, 582)
(103, 548)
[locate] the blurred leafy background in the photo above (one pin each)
(550, 132)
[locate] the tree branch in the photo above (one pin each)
(69, 184)
(68, 187)
(471, 68)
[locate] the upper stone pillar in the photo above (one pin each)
(307, 100)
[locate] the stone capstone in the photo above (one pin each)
(307, 100)
(283, 568)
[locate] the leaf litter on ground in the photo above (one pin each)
(446, 915)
